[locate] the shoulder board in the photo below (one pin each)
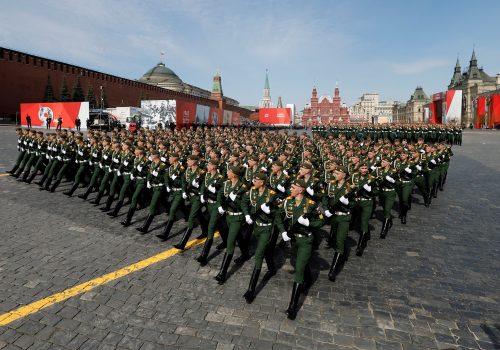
(289, 197)
(182, 168)
(272, 192)
(253, 187)
(243, 185)
(310, 201)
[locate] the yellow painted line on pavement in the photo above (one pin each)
(39, 305)
(4, 174)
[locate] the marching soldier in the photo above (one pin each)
(211, 195)
(94, 161)
(236, 210)
(387, 176)
(338, 209)
(191, 187)
(173, 185)
(126, 172)
(156, 182)
(261, 202)
(297, 217)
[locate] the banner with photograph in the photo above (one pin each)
(49, 112)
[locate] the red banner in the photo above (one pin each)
(185, 114)
(42, 113)
(494, 111)
(275, 116)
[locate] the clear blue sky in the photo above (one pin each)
(388, 47)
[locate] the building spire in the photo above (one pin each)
(266, 101)
(473, 60)
(266, 83)
(280, 103)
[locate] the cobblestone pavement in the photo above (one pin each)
(433, 283)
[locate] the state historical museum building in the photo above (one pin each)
(326, 109)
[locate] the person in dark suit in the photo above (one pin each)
(59, 123)
(28, 121)
(49, 120)
(78, 123)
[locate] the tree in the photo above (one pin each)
(48, 95)
(65, 95)
(91, 97)
(78, 95)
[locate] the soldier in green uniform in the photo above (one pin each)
(421, 169)
(138, 175)
(236, 210)
(261, 202)
(191, 187)
(21, 148)
(118, 168)
(126, 172)
(94, 161)
(40, 152)
(173, 185)
(211, 196)
(81, 159)
(362, 182)
(387, 178)
(338, 209)
(30, 146)
(110, 161)
(406, 175)
(67, 154)
(155, 181)
(295, 220)
(54, 164)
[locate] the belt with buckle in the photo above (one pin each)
(363, 199)
(176, 189)
(387, 189)
(342, 213)
(234, 214)
(405, 181)
(262, 224)
(303, 236)
(211, 201)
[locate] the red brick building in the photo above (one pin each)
(325, 109)
(23, 79)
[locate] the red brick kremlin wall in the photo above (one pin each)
(23, 78)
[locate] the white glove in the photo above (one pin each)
(408, 170)
(131, 176)
(119, 173)
(211, 188)
(310, 191)
(269, 160)
(248, 219)
(173, 177)
(373, 167)
(433, 161)
(139, 168)
(59, 158)
(168, 189)
(419, 168)
(100, 166)
(184, 195)
(245, 165)
(221, 211)
(280, 188)
(328, 213)
(344, 200)
(264, 169)
(265, 208)
(149, 184)
(367, 187)
(285, 172)
(47, 156)
(125, 163)
(202, 198)
(422, 151)
(195, 183)
(390, 179)
(163, 159)
(285, 236)
(303, 221)
(232, 196)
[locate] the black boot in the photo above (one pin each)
(243, 245)
(145, 227)
(404, 211)
(86, 194)
(271, 267)
(441, 183)
(98, 198)
(383, 231)
(202, 259)
(71, 190)
(294, 301)
(31, 177)
(54, 186)
(128, 219)
(221, 277)
(333, 273)
(13, 170)
(435, 190)
(109, 201)
(250, 293)
(332, 237)
(17, 173)
(42, 180)
(409, 203)
(185, 238)
(166, 231)
(47, 184)
(427, 201)
(115, 211)
(361, 243)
